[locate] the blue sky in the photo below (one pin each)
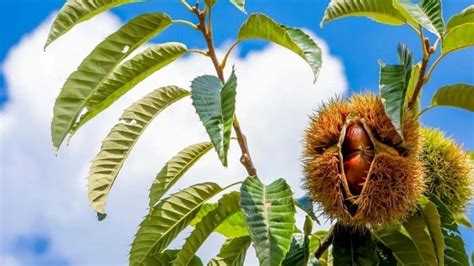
(358, 43)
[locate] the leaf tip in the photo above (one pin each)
(101, 216)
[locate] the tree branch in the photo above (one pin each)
(427, 51)
(245, 158)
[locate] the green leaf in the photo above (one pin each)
(459, 32)
(433, 223)
(240, 4)
(298, 255)
(270, 217)
(454, 250)
(215, 106)
(232, 252)
(427, 13)
(353, 248)
(385, 255)
(379, 11)
(462, 219)
(121, 139)
(175, 168)
(457, 95)
(308, 225)
(166, 258)
(168, 219)
(77, 11)
(233, 226)
(401, 245)
(414, 76)
(415, 227)
(393, 86)
(127, 75)
(315, 239)
(97, 66)
(259, 26)
(226, 207)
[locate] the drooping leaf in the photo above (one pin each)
(353, 248)
(121, 139)
(259, 26)
(168, 219)
(166, 258)
(415, 226)
(459, 32)
(433, 224)
(77, 11)
(97, 66)
(226, 207)
(240, 4)
(175, 168)
(215, 106)
(393, 86)
(270, 216)
(380, 11)
(234, 226)
(454, 250)
(401, 245)
(457, 95)
(232, 252)
(127, 75)
(306, 204)
(427, 13)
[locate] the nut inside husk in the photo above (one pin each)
(356, 165)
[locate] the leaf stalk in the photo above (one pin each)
(325, 243)
(245, 159)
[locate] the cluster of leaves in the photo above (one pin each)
(258, 213)
(263, 215)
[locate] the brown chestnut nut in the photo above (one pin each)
(356, 167)
(356, 139)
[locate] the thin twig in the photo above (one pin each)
(245, 158)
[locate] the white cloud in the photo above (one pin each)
(42, 193)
